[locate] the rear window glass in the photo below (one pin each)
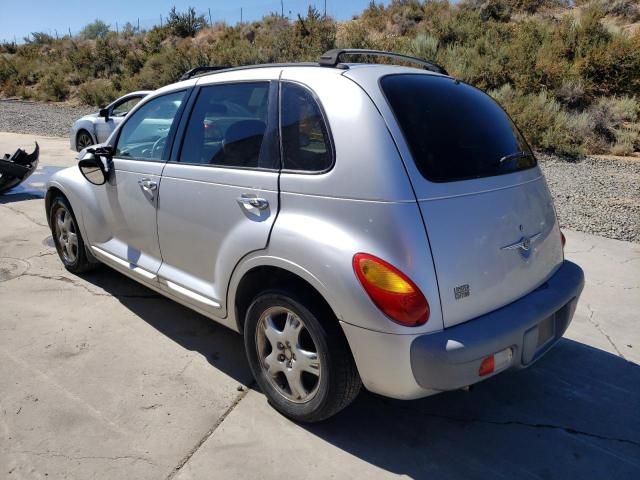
(455, 131)
(305, 139)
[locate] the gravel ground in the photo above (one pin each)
(48, 119)
(596, 195)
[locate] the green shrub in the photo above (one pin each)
(185, 24)
(627, 142)
(570, 80)
(97, 92)
(53, 87)
(424, 46)
(9, 88)
(542, 119)
(95, 30)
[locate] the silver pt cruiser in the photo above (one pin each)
(359, 224)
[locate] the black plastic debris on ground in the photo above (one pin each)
(16, 168)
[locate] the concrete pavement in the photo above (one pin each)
(102, 378)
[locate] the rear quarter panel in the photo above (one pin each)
(322, 234)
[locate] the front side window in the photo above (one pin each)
(454, 131)
(121, 109)
(227, 125)
(144, 135)
(305, 137)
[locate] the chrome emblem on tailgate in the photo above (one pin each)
(524, 244)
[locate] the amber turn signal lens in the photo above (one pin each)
(391, 290)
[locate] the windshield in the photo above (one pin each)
(455, 131)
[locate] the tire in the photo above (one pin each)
(67, 237)
(327, 384)
(83, 140)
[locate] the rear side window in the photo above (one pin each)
(305, 138)
(455, 131)
(227, 125)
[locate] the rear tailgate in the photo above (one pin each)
(474, 241)
(488, 213)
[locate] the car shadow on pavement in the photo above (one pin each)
(577, 411)
(574, 414)
(223, 348)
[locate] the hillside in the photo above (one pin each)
(569, 75)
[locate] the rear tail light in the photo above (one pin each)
(391, 290)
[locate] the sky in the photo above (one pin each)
(19, 18)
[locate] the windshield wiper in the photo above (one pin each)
(516, 155)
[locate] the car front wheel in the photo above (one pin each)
(67, 237)
(83, 140)
(299, 357)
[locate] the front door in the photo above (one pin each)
(219, 197)
(121, 225)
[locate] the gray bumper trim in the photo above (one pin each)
(450, 359)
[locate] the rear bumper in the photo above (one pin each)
(529, 326)
(414, 366)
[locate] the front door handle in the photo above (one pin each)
(148, 185)
(253, 201)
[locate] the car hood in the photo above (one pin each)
(90, 116)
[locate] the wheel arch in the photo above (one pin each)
(66, 184)
(52, 192)
(261, 273)
(86, 128)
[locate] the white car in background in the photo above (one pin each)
(96, 127)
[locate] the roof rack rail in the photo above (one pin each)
(220, 68)
(200, 70)
(331, 58)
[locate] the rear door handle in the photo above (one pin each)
(148, 185)
(253, 201)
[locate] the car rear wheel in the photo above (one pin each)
(67, 237)
(83, 140)
(299, 357)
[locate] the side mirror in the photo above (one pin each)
(104, 112)
(93, 167)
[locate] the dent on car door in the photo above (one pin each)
(220, 194)
(121, 225)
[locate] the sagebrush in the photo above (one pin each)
(569, 75)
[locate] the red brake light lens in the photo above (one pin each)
(391, 290)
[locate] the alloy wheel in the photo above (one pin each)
(66, 234)
(84, 141)
(288, 354)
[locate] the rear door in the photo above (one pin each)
(485, 204)
(219, 194)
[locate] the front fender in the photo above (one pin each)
(83, 124)
(77, 191)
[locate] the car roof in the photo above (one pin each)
(272, 70)
(329, 61)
